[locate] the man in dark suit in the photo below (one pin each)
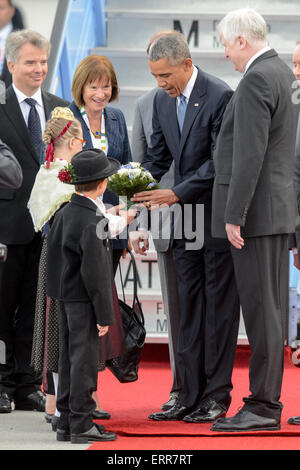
(141, 140)
(209, 302)
(254, 205)
(10, 20)
(294, 238)
(23, 117)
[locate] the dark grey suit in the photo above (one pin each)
(141, 140)
(254, 189)
(11, 175)
(209, 302)
(18, 275)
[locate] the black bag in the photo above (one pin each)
(125, 367)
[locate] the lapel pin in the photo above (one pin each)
(196, 104)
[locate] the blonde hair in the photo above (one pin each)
(55, 126)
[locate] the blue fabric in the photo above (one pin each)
(181, 111)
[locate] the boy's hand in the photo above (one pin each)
(129, 215)
(102, 330)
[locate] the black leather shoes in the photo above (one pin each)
(294, 420)
(54, 423)
(244, 420)
(176, 413)
(209, 410)
(170, 403)
(48, 418)
(34, 401)
(96, 433)
(101, 415)
(5, 403)
(63, 435)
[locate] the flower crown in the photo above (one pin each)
(67, 174)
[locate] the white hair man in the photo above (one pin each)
(254, 195)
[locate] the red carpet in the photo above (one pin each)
(130, 405)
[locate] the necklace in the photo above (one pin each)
(100, 135)
(96, 134)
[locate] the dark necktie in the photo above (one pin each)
(34, 125)
(181, 111)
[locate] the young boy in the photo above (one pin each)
(79, 275)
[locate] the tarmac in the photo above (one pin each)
(28, 430)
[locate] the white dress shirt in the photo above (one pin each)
(255, 56)
(116, 223)
(25, 107)
(189, 86)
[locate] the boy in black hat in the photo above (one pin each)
(79, 275)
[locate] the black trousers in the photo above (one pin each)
(209, 323)
(262, 273)
(18, 284)
(78, 365)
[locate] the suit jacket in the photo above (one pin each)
(10, 170)
(118, 147)
(255, 153)
(79, 263)
(15, 222)
(192, 151)
(141, 140)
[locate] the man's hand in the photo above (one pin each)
(102, 330)
(156, 198)
(234, 236)
(140, 241)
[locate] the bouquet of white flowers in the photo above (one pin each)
(131, 179)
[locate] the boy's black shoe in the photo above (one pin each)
(96, 433)
(63, 435)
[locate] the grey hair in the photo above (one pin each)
(17, 39)
(244, 22)
(171, 46)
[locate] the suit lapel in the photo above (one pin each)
(14, 114)
(48, 107)
(171, 119)
(194, 106)
(111, 128)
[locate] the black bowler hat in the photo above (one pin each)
(92, 165)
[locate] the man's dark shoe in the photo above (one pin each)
(171, 402)
(176, 413)
(5, 403)
(54, 423)
(294, 420)
(96, 433)
(48, 418)
(34, 401)
(243, 421)
(101, 414)
(63, 435)
(207, 412)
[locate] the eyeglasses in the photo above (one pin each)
(81, 140)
